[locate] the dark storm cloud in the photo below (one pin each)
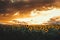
(8, 6)
(3, 6)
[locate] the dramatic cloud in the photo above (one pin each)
(55, 20)
(8, 5)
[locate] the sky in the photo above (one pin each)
(8, 6)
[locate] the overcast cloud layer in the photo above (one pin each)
(7, 6)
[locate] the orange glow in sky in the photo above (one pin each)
(35, 17)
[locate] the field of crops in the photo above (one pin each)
(31, 32)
